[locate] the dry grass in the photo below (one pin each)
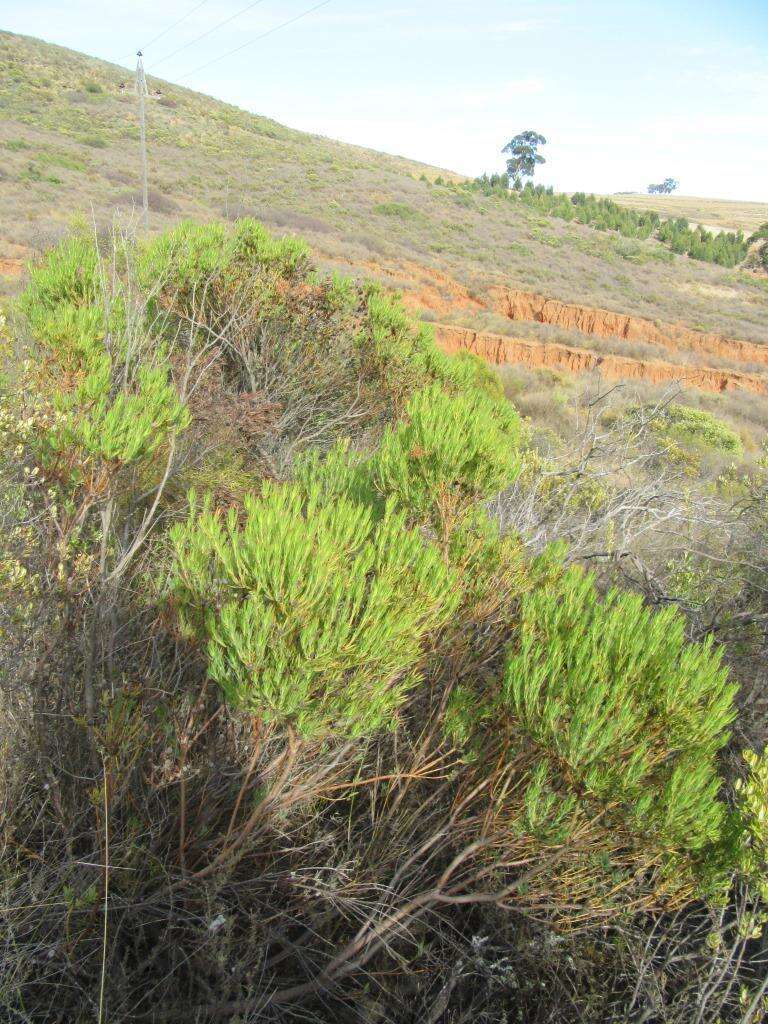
(714, 214)
(553, 402)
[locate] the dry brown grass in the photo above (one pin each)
(714, 214)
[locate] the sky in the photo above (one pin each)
(626, 92)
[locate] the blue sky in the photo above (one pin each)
(626, 92)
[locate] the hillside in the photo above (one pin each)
(69, 139)
(578, 303)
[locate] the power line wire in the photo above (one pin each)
(163, 33)
(255, 39)
(209, 32)
(174, 25)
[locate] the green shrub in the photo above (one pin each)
(465, 371)
(633, 715)
(121, 428)
(109, 400)
(254, 246)
(184, 258)
(449, 453)
(313, 614)
(699, 428)
(94, 141)
(622, 722)
(399, 210)
(726, 247)
(68, 274)
(752, 794)
(573, 777)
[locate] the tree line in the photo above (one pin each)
(726, 248)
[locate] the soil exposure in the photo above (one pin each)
(497, 349)
(602, 323)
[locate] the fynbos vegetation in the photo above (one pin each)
(332, 692)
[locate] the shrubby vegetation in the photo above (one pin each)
(300, 680)
(697, 427)
(726, 248)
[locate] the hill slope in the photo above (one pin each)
(69, 143)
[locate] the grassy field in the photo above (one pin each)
(69, 149)
(714, 214)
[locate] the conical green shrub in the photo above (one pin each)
(449, 453)
(633, 715)
(620, 721)
(312, 614)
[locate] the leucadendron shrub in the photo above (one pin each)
(451, 450)
(335, 356)
(614, 723)
(449, 453)
(101, 385)
(312, 614)
(699, 428)
(752, 802)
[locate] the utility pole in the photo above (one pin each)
(141, 89)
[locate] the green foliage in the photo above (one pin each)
(297, 334)
(121, 428)
(393, 209)
(725, 248)
(253, 245)
(193, 256)
(465, 371)
(69, 274)
(699, 428)
(105, 401)
(523, 155)
(313, 614)
(34, 173)
(633, 714)
(449, 453)
(184, 258)
(402, 356)
(339, 473)
(626, 718)
(752, 795)
(758, 244)
(94, 141)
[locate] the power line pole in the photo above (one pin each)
(141, 89)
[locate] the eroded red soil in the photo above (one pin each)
(500, 350)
